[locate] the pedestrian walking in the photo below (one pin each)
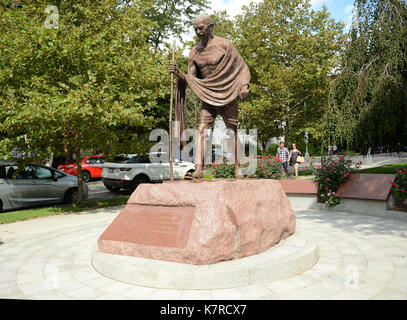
(295, 158)
(283, 154)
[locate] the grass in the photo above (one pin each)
(20, 215)
(388, 168)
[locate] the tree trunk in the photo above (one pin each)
(80, 177)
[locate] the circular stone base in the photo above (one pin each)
(290, 257)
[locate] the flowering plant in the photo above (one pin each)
(268, 167)
(330, 199)
(400, 185)
(333, 172)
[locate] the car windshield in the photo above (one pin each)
(137, 159)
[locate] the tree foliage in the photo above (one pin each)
(173, 18)
(368, 99)
(78, 85)
(290, 50)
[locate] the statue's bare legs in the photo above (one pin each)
(200, 150)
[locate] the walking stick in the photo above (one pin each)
(172, 96)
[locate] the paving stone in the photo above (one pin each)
(348, 294)
(250, 292)
(115, 287)
(137, 292)
(227, 294)
(108, 296)
(29, 277)
(373, 247)
(390, 294)
(85, 293)
(9, 288)
(196, 295)
(166, 294)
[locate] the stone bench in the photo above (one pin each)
(366, 194)
(302, 194)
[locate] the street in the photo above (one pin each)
(97, 191)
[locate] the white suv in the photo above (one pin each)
(136, 169)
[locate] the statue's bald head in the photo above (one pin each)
(205, 18)
(203, 27)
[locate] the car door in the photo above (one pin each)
(179, 168)
(160, 168)
(97, 166)
(22, 191)
(49, 189)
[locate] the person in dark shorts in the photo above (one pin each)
(293, 158)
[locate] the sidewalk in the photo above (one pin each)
(53, 223)
(361, 257)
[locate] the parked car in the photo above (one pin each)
(36, 185)
(91, 167)
(137, 169)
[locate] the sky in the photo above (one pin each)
(340, 9)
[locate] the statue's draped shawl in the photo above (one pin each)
(220, 89)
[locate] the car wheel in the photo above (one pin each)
(113, 188)
(189, 173)
(86, 176)
(1, 206)
(139, 180)
(71, 196)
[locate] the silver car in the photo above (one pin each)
(36, 185)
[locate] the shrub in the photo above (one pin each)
(268, 167)
(330, 199)
(333, 172)
(399, 186)
(272, 149)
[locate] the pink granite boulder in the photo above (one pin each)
(201, 222)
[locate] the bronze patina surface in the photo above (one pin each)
(218, 75)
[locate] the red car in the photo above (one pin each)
(91, 167)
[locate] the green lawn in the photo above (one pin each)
(20, 215)
(388, 168)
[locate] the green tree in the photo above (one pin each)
(77, 81)
(172, 18)
(368, 99)
(290, 50)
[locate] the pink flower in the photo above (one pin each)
(327, 179)
(402, 190)
(254, 175)
(289, 171)
(214, 172)
(360, 162)
(326, 188)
